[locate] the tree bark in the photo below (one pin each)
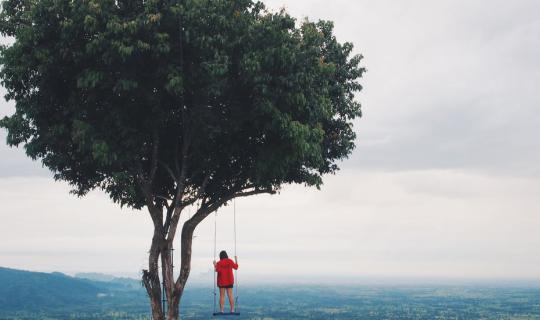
(167, 272)
(150, 277)
(185, 268)
(161, 248)
(174, 309)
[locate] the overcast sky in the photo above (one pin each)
(444, 182)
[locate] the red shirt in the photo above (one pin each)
(224, 269)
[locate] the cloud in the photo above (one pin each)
(443, 183)
(450, 84)
(438, 223)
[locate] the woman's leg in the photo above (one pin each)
(231, 298)
(221, 299)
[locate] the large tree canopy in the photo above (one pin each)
(163, 103)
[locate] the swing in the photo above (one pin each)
(235, 313)
(221, 314)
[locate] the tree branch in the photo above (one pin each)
(244, 193)
(155, 212)
(154, 165)
(176, 164)
(169, 171)
(181, 205)
(181, 181)
(198, 217)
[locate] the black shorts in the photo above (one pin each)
(227, 287)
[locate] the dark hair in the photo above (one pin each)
(223, 255)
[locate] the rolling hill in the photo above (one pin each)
(40, 292)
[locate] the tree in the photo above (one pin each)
(162, 104)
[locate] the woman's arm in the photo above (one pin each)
(235, 266)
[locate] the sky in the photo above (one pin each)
(444, 182)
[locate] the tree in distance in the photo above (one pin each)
(164, 104)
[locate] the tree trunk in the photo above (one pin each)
(174, 309)
(185, 269)
(161, 248)
(150, 277)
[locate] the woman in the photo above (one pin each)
(225, 278)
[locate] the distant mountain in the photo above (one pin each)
(94, 276)
(110, 281)
(23, 290)
(37, 291)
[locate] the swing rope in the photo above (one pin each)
(215, 257)
(235, 271)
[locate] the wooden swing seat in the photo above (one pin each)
(219, 314)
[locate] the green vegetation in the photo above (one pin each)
(125, 300)
(321, 303)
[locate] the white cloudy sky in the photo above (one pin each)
(444, 182)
